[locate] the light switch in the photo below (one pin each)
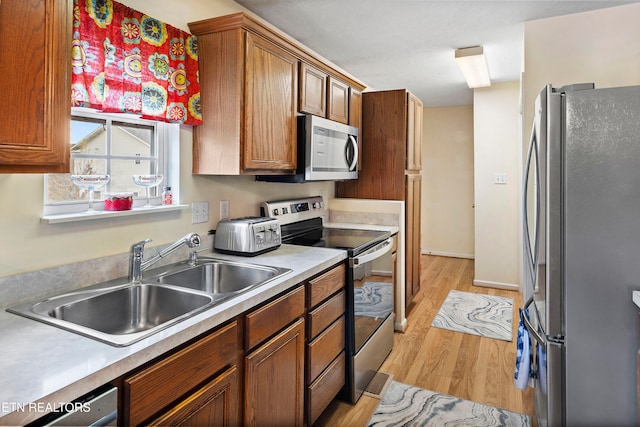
(199, 212)
(500, 178)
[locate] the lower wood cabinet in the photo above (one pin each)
(164, 390)
(325, 388)
(274, 364)
(274, 380)
(325, 366)
(279, 364)
(215, 404)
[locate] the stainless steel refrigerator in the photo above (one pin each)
(582, 249)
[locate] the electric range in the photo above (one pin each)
(369, 288)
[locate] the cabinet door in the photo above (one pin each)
(35, 85)
(274, 380)
(215, 404)
(338, 104)
(412, 237)
(355, 118)
(270, 109)
(414, 133)
(355, 108)
(313, 90)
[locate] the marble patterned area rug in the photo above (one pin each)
(373, 299)
(484, 315)
(405, 405)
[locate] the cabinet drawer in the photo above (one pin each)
(326, 313)
(266, 321)
(325, 348)
(174, 376)
(325, 388)
(325, 285)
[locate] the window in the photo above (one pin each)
(121, 146)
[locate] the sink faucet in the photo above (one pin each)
(136, 263)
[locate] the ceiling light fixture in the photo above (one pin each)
(473, 65)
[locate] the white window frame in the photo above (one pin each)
(167, 144)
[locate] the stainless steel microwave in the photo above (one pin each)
(327, 151)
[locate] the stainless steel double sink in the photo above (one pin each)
(121, 314)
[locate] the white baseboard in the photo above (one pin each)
(448, 254)
(497, 285)
(381, 273)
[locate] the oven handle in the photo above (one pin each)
(380, 250)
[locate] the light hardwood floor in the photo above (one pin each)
(462, 365)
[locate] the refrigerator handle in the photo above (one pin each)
(532, 331)
(530, 255)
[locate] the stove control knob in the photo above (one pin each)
(276, 212)
(285, 211)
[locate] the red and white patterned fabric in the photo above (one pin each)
(126, 61)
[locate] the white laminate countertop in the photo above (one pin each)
(47, 365)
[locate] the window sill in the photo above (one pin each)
(84, 216)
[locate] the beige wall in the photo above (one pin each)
(27, 245)
(447, 190)
(497, 141)
(602, 47)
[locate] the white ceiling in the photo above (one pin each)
(392, 44)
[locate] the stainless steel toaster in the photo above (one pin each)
(247, 236)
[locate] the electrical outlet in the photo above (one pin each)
(199, 212)
(224, 209)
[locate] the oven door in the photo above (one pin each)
(370, 327)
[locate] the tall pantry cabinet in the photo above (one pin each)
(391, 166)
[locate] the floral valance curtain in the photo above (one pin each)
(125, 61)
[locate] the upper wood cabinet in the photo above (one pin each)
(248, 94)
(271, 82)
(254, 81)
(338, 103)
(35, 40)
(325, 96)
(313, 90)
(391, 130)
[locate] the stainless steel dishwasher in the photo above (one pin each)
(96, 409)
